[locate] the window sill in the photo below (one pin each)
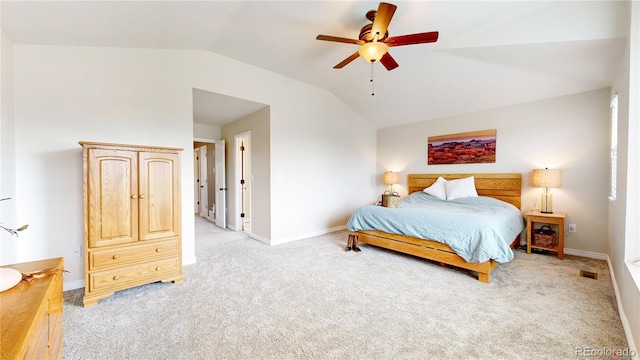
(634, 270)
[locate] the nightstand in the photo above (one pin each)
(553, 218)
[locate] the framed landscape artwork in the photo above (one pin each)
(464, 148)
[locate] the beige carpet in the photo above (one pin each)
(311, 300)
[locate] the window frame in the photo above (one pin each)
(613, 149)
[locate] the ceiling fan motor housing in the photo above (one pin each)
(366, 35)
(365, 32)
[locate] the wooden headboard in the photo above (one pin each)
(506, 187)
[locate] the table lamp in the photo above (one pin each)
(391, 178)
(547, 179)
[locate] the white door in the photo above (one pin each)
(221, 185)
(204, 197)
(196, 183)
(243, 174)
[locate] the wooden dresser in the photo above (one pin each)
(132, 219)
(31, 319)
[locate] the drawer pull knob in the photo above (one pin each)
(158, 250)
(141, 196)
(116, 277)
(158, 268)
(134, 196)
(114, 257)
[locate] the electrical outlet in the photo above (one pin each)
(572, 228)
(77, 251)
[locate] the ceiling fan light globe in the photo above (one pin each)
(373, 51)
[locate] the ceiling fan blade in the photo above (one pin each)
(389, 62)
(382, 19)
(412, 39)
(347, 60)
(339, 39)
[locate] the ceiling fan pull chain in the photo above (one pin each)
(372, 92)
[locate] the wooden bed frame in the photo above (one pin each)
(506, 187)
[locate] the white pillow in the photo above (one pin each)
(437, 189)
(465, 187)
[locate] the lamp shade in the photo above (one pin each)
(547, 178)
(391, 178)
(373, 51)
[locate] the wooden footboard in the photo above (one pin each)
(426, 249)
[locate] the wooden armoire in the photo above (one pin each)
(132, 222)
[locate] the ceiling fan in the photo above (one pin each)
(374, 39)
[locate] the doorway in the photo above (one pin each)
(243, 173)
(209, 181)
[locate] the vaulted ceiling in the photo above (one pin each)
(489, 53)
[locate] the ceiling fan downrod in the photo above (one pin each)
(371, 80)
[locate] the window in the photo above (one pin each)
(614, 146)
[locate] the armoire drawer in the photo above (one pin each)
(139, 273)
(131, 254)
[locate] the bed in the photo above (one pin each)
(501, 186)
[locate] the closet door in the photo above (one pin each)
(112, 197)
(159, 197)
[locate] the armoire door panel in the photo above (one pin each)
(160, 203)
(113, 204)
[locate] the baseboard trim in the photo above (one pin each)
(587, 254)
(72, 285)
(189, 260)
(623, 317)
(262, 239)
(272, 242)
(308, 235)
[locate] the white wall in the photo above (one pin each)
(208, 132)
(624, 212)
(317, 160)
(67, 94)
(7, 149)
(568, 133)
(64, 95)
(313, 137)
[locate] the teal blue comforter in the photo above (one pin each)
(476, 228)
